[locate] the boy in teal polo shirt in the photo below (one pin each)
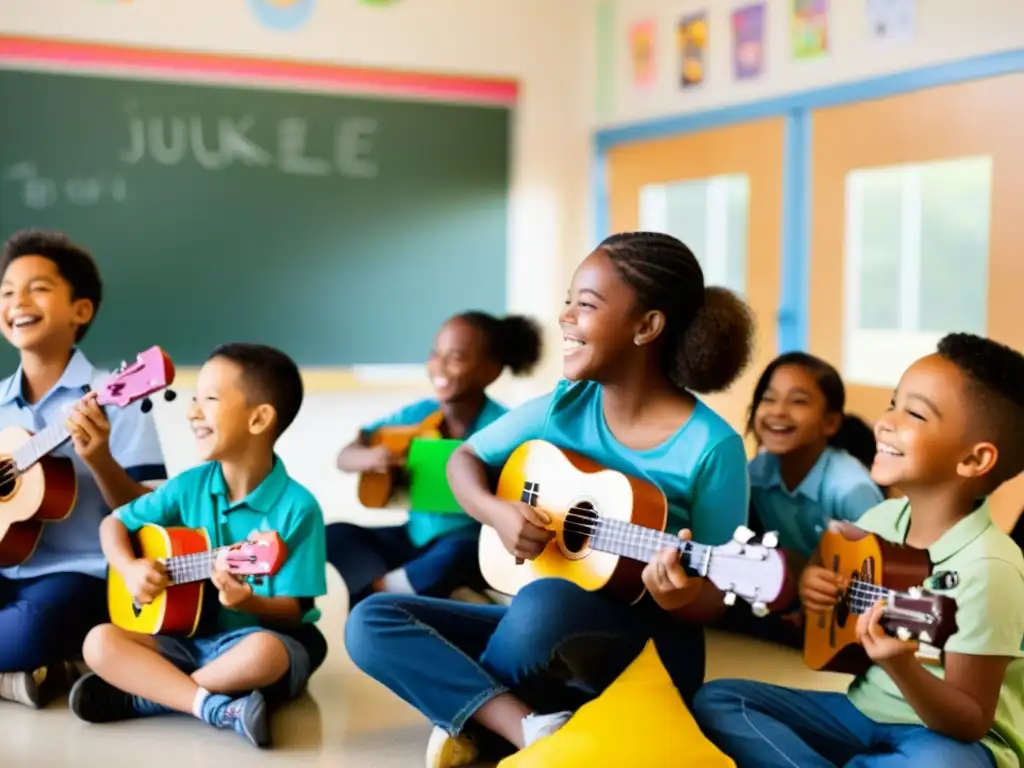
(951, 436)
(246, 396)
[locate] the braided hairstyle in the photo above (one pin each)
(709, 332)
(513, 342)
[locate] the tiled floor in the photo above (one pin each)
(345, 720)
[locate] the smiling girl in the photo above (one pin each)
(642, 333)
(433, 554)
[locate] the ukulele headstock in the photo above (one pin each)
(262, 554)
(151, 371)
(748, 567)
(920, 615)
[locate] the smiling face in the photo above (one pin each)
(924, 438)
(793, 412)
(37, 310)
(602, 328)
(459, 362)
(221, 416)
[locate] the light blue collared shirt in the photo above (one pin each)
(73, 544)
(838, 487)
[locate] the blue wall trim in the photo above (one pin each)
(794, 310)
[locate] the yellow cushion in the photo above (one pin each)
(640, 720)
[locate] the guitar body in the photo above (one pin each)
(383, 490)
(178, 610)
(830, 639)
(558, 482)
(45, 493)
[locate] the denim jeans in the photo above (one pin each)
(363, 555)
(556, 647)
(766, 726)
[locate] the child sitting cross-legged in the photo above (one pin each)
(246, 396)
(952, 435)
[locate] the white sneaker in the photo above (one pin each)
(538, 726)
(21, 687)
(447, 751)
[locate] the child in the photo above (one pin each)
(246, 396)
(433, 554)
(50, 295)
(641, 332)
(951, 437)
(806, 474)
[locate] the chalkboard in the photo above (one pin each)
(342, 229)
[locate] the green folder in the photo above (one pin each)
(428, 483)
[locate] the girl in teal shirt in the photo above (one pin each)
(641, 334)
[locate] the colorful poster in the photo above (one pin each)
(892, 21)
(604, 48)
(642, 49)
(692, 40)
(748, 41)
(283, 15)
(809, 28)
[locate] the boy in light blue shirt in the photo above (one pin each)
(246, 396)
(50, 294)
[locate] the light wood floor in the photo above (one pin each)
(345, 720)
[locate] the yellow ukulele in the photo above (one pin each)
(607, 525)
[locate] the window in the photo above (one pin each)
(710, 216)
(916, 263)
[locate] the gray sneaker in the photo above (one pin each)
(22, 687)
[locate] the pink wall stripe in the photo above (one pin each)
(237, 69)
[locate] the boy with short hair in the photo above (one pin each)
(50, 293)
(952, 435)
(246, 396)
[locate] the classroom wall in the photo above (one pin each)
(946, 30)
(539, 42)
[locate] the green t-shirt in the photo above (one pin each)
(198, 498)
(989, 617)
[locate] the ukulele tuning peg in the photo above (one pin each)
(730, 598)
(903, 634)
(759, 609)
(914, 592)
(770, 540)
(743, 534)
(147, 405)
(169, 395)
(925, 637)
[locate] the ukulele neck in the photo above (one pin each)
(39, 445)
(185, 569)
(636, 542)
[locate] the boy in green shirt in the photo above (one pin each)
(246, 396)
(952, 435)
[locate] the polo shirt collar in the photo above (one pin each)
(810, 486)
(77, 375)
(263, 497)
(956, 538)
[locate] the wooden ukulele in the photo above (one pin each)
(188, 561)
(37, 488)
(607, 525)
(878, 570)
(380, 490)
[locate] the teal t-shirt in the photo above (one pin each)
(424, 527)
(701, 469)
(198, 498)
(838, 487)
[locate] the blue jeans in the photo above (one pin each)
(767, 726)
(45, 619)
(363, 555)
(556, 647)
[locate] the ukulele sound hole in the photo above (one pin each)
(8, 479)
(579, 527)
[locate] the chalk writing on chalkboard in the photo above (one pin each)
(169, 141)
(40, 193)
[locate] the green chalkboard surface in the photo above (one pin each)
(342, 229)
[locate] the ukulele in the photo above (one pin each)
(381, 490)
(878, 570)
(607, 525)
(188, 561)
(37, 488)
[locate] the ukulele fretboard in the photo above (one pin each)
(184, 569)
(40, 444)
(636, 542)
